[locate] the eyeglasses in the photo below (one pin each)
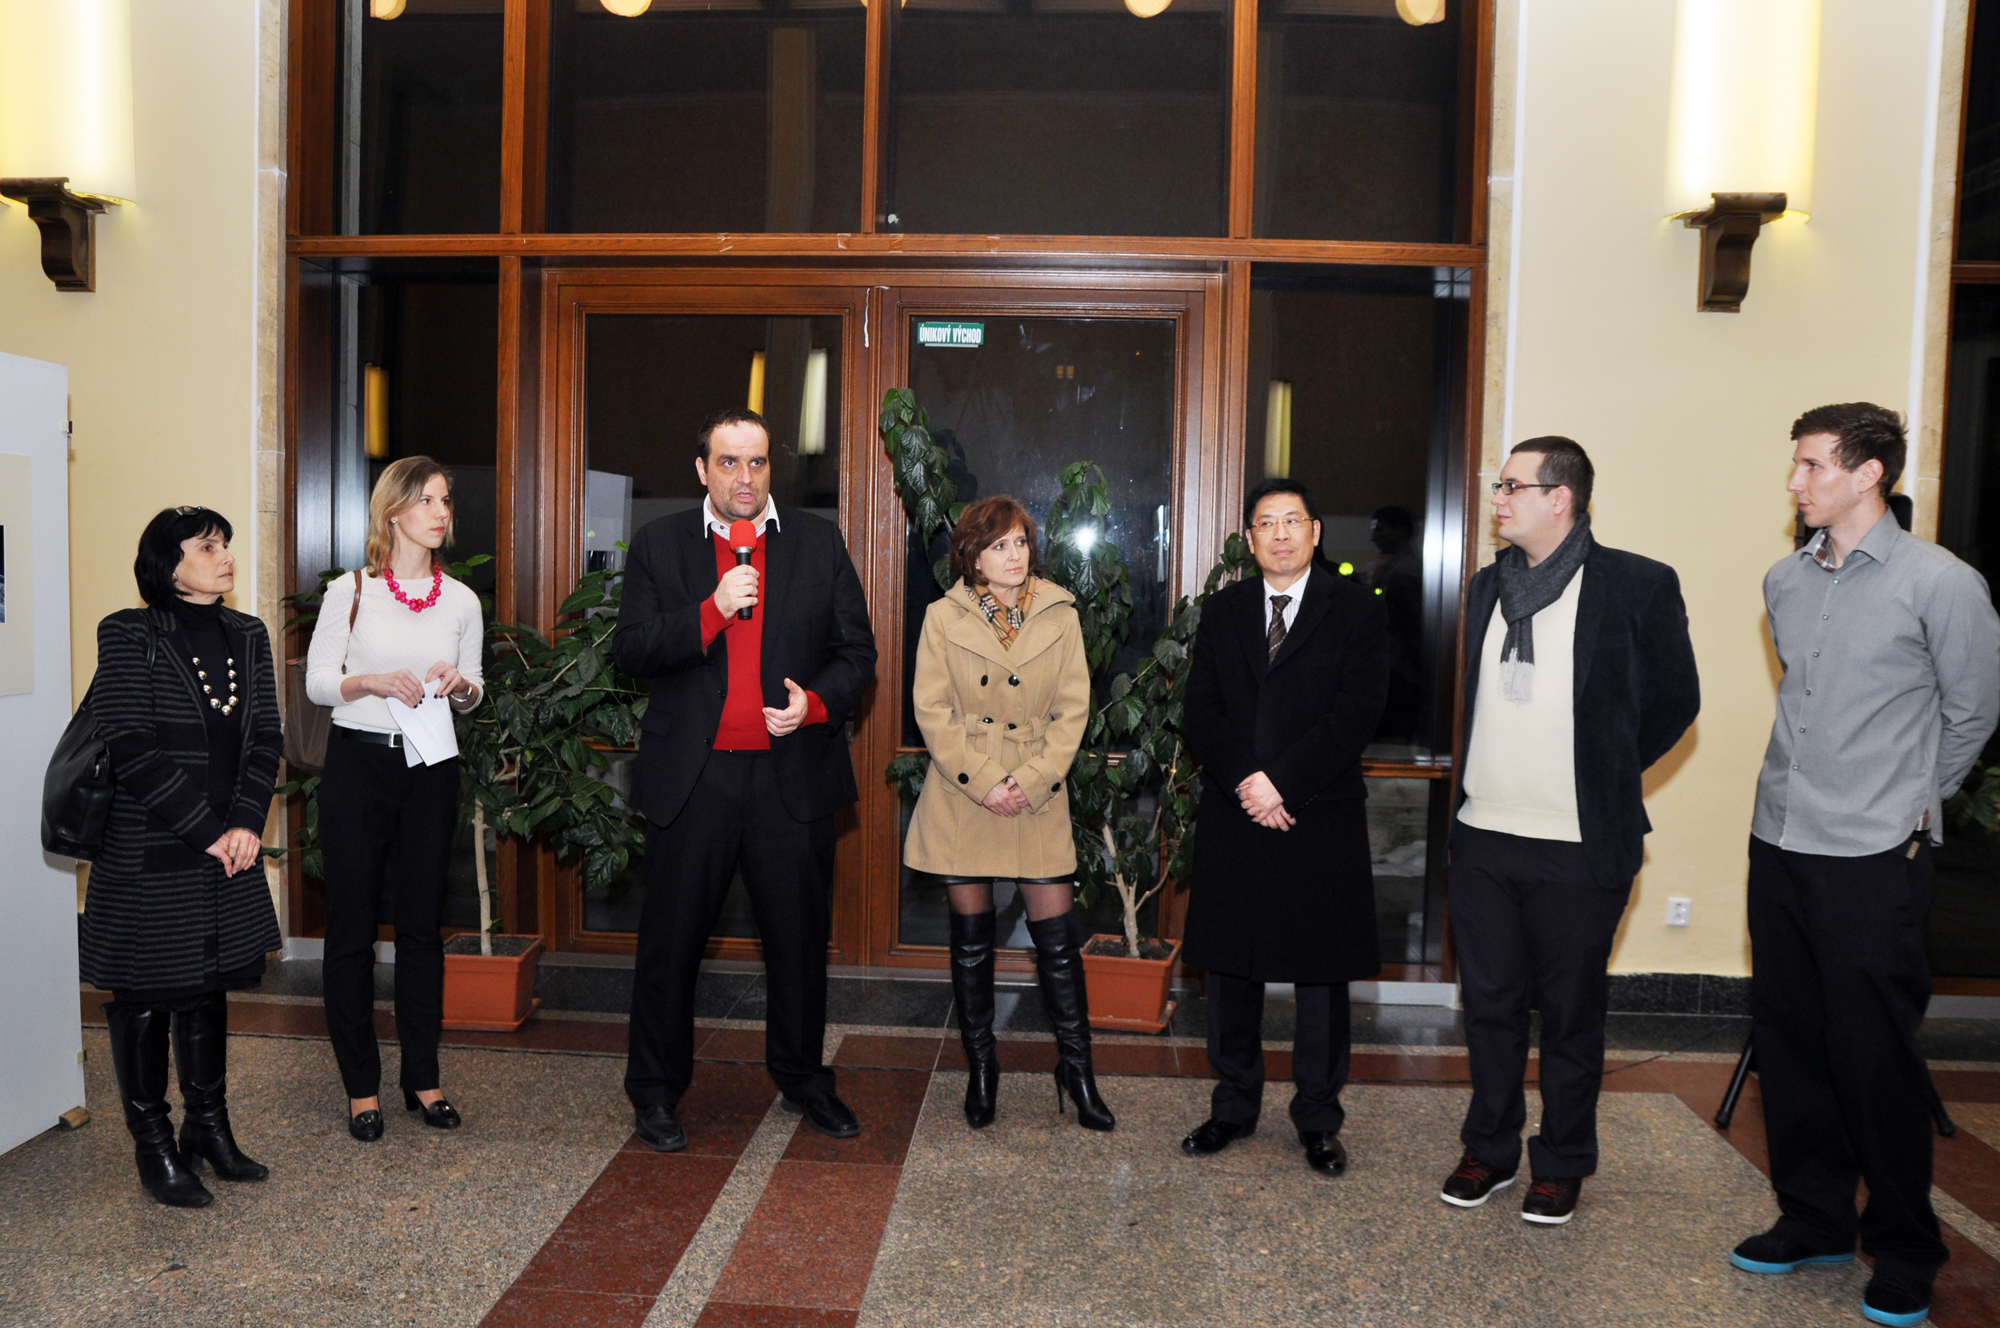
(1292, 523)
(188, 511)
(1512, 487)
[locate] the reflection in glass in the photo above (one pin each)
(420, 118)
(706, 117)
(1409, 877)
(649, 383)
(1070, 119)
(1357, 122)
(1352, 393)
(1979, 182)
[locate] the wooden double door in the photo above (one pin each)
(1020, 374)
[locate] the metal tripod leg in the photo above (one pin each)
(1727, 1111)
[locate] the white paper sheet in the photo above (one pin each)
(428, 733)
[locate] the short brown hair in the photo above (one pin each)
(983, 522)
(1867, 432)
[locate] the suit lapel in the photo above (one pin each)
(1590, 606)
(1317, 599)
(697, 557)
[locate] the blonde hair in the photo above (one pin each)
(399, 489)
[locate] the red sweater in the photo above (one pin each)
(742, 727)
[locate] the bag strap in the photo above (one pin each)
(352, 610)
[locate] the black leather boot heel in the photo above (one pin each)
(139, 1060)
(972, 988)
(1059, 965)
(201, 1058)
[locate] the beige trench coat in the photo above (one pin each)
(988, 711)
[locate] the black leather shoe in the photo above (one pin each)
(1212, 1136)
(439, 1115)
(1324, 1151)
(827, 1114)
(365, 1126)
(659, 1128)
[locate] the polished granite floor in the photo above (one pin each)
(543, 1210)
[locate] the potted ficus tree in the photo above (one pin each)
(1134, 785)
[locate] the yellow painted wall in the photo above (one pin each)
(1687, 414)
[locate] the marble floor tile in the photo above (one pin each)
(723, 1107)
(812, 1241)
(723, 1315)
(886, 1102)
(630, 1228)
(889, 1051)
(531, 1307)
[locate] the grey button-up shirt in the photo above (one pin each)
(1891, 689)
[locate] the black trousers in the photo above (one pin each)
(1533, 930)
(375, 811)
(1839, 985)
(733, 818)
(1320, 1052)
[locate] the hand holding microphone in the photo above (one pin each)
(736, 592)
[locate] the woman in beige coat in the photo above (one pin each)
(1002, 694)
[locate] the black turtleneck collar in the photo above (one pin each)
(199, 613)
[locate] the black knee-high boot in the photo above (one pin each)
(201, 1057)
(1059, 965)
(972, 987)
(139, 1059)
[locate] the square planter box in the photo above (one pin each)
(490, 993)
(1129, 995)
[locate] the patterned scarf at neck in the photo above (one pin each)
(1006, 622)
(1526, 591)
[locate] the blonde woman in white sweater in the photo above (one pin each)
(414, 626)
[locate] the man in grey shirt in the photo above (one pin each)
(1891, 651)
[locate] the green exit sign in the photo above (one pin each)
(968, 335)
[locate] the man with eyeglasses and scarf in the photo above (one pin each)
(1579, 675)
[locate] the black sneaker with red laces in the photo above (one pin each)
(1551, 1200)
(1473, 1183)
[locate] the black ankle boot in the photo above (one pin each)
(972, 987)
(1059, 965)
(139, 1059)
(201, 1057)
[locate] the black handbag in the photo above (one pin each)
(76, 792)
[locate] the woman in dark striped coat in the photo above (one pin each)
(178, 912)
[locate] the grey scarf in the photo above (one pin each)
(1526, 591)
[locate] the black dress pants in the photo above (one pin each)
(1838, 989)
(1320, 1052)
(734, 817)
(377, 811)
(1533, 929)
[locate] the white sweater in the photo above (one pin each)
(387, 637)
(1520, 759)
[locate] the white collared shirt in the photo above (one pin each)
(1297, 590)
(769, 516)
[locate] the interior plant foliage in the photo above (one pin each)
(1134, 784)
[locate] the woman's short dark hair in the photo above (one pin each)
(983, 522)
(1867, 432)
(160, 549)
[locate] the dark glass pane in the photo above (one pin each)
(1070, 119)
(1409, 877)
(706, 118)
(1039, 394)
(420, 118)
(1357, 123)
(1979, 185)
(650, 381)
(1352, 392)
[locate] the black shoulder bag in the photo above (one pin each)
(76, 792)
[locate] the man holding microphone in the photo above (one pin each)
(754, 664)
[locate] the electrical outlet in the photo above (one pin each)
(1677, 912)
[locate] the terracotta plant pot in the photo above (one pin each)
(1128, 995)
(490, 993)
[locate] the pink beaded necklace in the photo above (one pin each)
(416, 605)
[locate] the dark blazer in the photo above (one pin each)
(1636, 693)
(815, 633)
(1295, 905)
(156, 898)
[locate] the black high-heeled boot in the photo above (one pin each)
(139, 1060)
(972, 987)
(1059, 965)
(201, 1058)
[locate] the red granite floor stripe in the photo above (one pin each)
(1968, 1169)
(887, 1103)
(540, 1307)
(718, 1315)
(812, 1240)
(889, 1051)
(631, 1227)
(1967, 1085)
(721, 1109)
(732, 1044)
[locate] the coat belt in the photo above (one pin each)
(1016, 731)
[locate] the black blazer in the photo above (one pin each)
(1636, 693)
(1296, 905)
(815, 633)
(159, 915)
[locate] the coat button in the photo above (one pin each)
(965, 779)
(1056, 787)
(1013, 681)
(982, 680)
(1009, 726)
(989, 720)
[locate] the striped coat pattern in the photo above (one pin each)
(160, 915)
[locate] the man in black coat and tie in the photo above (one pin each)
(1289, 677)
(755, 663)
(1579, 675)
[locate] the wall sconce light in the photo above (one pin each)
(1740, 131)
(1147, 8)
(812, 406)
(66, 118)
(387, 9)
(1417, 13)
(375, 412)
(756, 398)
(627, 8)
(1278, 429)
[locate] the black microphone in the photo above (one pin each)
(743, 539)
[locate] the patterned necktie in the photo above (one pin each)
(1277, 633)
